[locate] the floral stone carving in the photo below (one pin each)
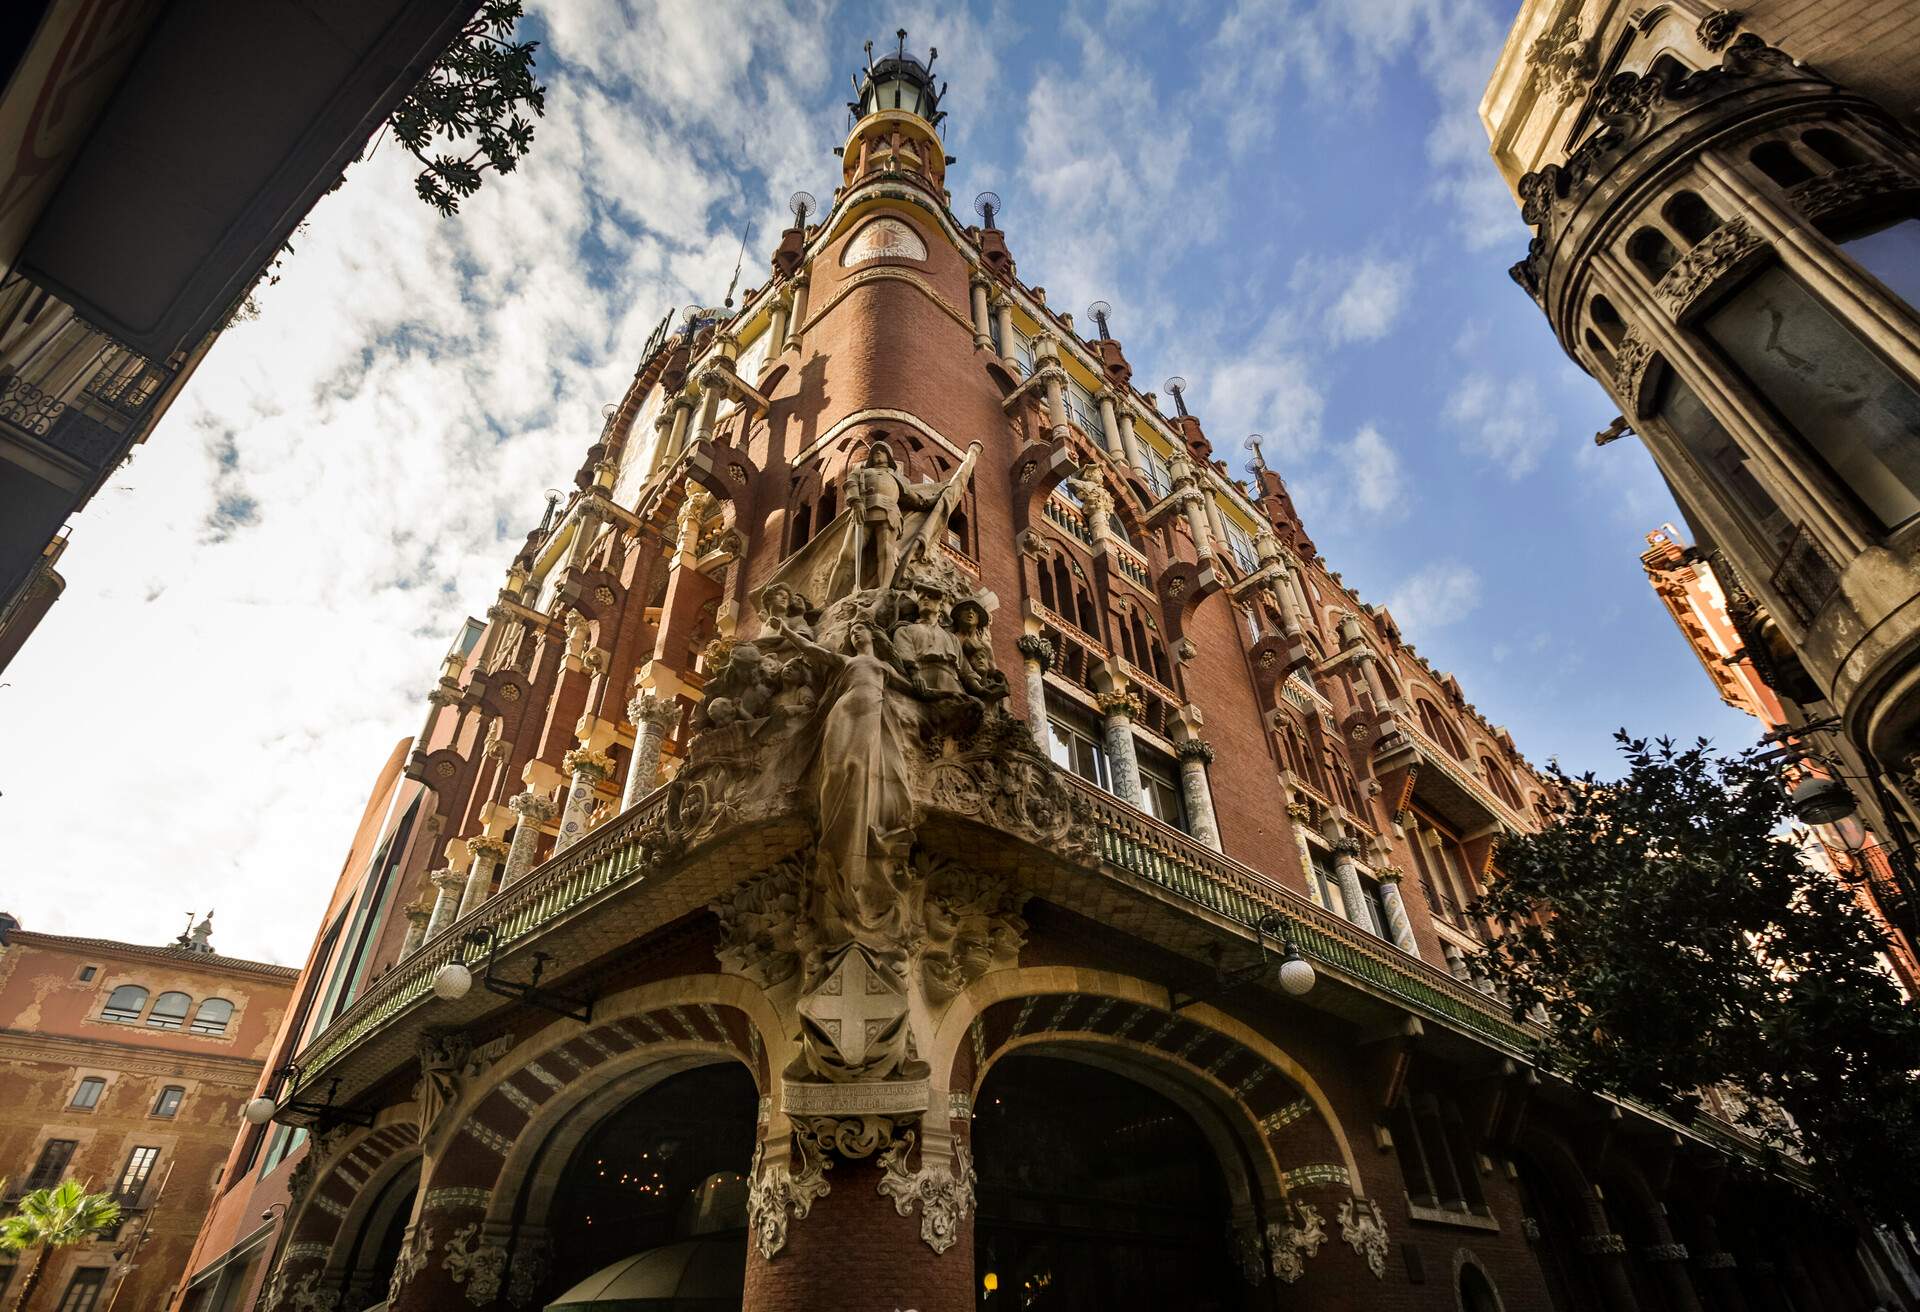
(944, 1194)
(776, 1193)
(1722, 252)
(414, 1251)
(1365, 1233)
(1291, 1243)
(475, 1263)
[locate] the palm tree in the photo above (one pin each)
(55, 1218)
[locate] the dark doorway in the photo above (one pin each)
(668, 1168)
(1095, 1193)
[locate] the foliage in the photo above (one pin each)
(59, 1217)
(475, 90)
(1675, 937)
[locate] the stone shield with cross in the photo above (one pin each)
(854, 1022)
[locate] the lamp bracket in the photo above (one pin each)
(573, 1006)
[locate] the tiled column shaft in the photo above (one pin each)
(417, 918)
(1359, 906)
(532, 810)
(1119, 709)
(447, 885)
(1037, 654)
(1399, 928)
(1195, 756)
(587, 769)
(488, 853)
(651, 716)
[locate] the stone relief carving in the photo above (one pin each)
(478, 1264)
(1365, 1233)
(531, 1262)
(447, 1059)
(1564, 59)
(414, 1253)
(303, 1295)
(944, 1194)
(884, 239)
(971, 921)
(1718, 254)
(1630, 370)
(1844, 188)
(760, 924)
(1291, 1243)
(1718, 27)
(777, 1193)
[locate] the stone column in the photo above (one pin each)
(1129, 439)
(1036, 654)
(1196, 754)
(1119, 708)
(1607, 1254)
(677, 436)
(1720, 1268)
(1399, 927)
(488, 853)
(1003, 311)
(1193, 502)
(651, 716)
(712, 384)
(1110, 424)
(799, 324)
(777, 324)
(587, 769)
(533, 810)
(1345, 865)
(447, 886)
(1054, 379)
(662, 441)
(447, 693)
(417, 918)
(1370, 673)
(1669, 1262)
(978, 285)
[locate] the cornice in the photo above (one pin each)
(71, 1050)
(212, 962)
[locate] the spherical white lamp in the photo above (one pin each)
(259, 1111)
(1296, 973)
(452, 981)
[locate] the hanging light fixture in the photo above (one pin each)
(1818, 800)
(1297, 975)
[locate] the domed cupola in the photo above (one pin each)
(896, 118)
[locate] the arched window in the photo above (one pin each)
(1833, 148)
(169, 1011)
(1777, 160)
(125, 1003)
(1048, 597)
(1599, 349)
(828, 496)
(1498, 781)
(212, 1017)
(802, 527)
(1607, 320)
(1690, 216)
(1440, 731)
(169, 1102)
(1652, 252)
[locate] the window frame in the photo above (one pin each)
(196, 1023)
(97, 1084)
(138, 1172)
(40, 1177)
(161, 1111)
(131, 1016)
(170, 1021)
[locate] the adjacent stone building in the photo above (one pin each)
(1726, 207)
(913, 830)
(125, 1066)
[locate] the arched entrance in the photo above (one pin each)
(376, 1248)
(1095, 1192)
(1476, 1291)
(663, 1175)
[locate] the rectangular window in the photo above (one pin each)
(1242, 548)
(87, 1096)
(1891, 254)
(83, 1292)
(1159, 476)
(1084, 411)
(285, 1139)
(1859, 416)
(1719, 457)
(1160, 793)
(1325, 881)
(169, 1101)
(1078, 747)
(1377, 900)
(87, 973)
(52, 1164)
(133, 1180)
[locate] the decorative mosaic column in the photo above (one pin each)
(588, 769)
(487, 854)
(417, 918)
(712, 384)
(978, 285)
(651, 717)
(533, 811)
(447, 885)
(1399, 926)
(1346, 866)
(1120, 708)
(1196, 754)
(1036, 655)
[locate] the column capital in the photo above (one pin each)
(648, 711)
(1036, 648)
(1389, 874)
(1664, 1252)
(1608, 1245)
(979, 277)
(1348, 846)
(1720, 1261)
(531, 806)
(1195, 749)
(417, 915)
(584, 760)
(1118, 704)
(446, 879)
(484, 848)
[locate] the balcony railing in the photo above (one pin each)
(1451, 766)
(1068, 518)
(1132, 564)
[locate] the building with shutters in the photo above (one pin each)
(913, 829)
(1726, 209)
(125, 1067)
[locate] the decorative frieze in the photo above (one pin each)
(1845, 188)
(1720, 254)
(1605, 1245)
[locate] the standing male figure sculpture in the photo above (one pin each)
(877, 493)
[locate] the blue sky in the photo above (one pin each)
(1289, 203)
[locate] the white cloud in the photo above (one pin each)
(1354, 298)
(1443, 593)
(1375, 472)
(1501, 420)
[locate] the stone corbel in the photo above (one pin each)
(1033, 381)
(943, 1193)
(779, 1192)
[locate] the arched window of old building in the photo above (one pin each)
(1778, 161)
(1652, 253)
(169, 1011)
(802, 527)
(1719, 458)
(1831, 387)
(828, 507)
(1435, 723)
(1832, 147)
(213, 1016)
(1690, 216)
(1607, 320)
(125, 1003)
(1497, 780)
(1476, 1291)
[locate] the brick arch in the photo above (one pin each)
(1277, 1105)
(346, 1184)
